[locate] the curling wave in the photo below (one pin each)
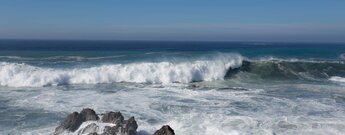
(290, 69)
(21, 75)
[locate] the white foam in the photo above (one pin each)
(83, 131)
(342, 56)
(337, 79)
(202, 112)
(309, 60)
(21, 75)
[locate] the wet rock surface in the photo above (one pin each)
(114, 121)
(113, 117)
(165, 130)
(74, 120)
(87, 122)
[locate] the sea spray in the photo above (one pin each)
(185, 71)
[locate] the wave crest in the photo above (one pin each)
(214, 68)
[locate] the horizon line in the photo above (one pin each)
(163, 40)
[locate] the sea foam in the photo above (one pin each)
(337, 79)
(203, 69)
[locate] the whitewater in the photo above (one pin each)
(143, 72)
(215, 88)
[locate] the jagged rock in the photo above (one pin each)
(130, 127)
(113, 117)
(73, 122)
(85, 115)
(68, 123)
(88, 115)
(165, 130)
(111, 130)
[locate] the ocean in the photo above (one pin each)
(198, 88)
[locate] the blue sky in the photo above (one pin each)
(213, 20)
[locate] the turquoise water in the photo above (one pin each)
(195, 87)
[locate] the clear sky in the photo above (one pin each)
(225, 20)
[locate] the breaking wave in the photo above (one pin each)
(174, 70)
(202, 69)
(290, 69)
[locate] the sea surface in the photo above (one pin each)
(198, 88)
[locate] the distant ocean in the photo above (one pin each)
(204, 88)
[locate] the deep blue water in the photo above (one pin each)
(103, 48)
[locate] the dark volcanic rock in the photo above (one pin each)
(130, 127)
(111, 130)
(68, 124)
(165, 130)
(73, 121)
(85, 115)
(88, 114)
(113, 117)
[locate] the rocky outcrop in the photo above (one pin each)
(113, 117)
(130, 127)
(74, 120)
(116, 125)
(87, 122)
(91, 128)
(165, 130)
